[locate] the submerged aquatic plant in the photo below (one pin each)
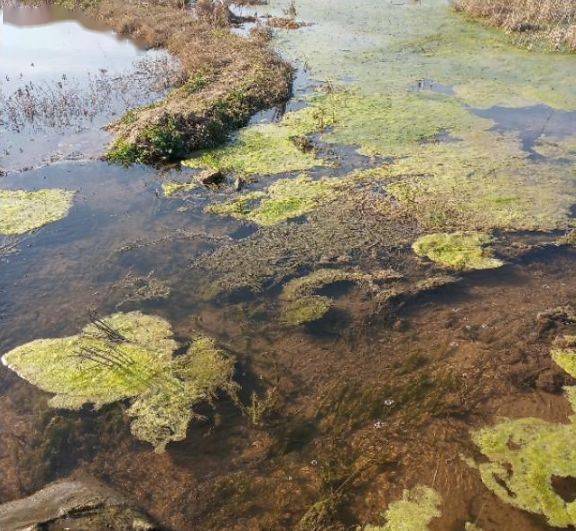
(414, 512)
(459, 250)
(285, 199)
(22, 211)
(171, 188)
(301, 304)
(526, 455)
(127, 356)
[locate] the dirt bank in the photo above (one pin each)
(532, 22)
(227, 77)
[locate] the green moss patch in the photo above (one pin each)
(127, 356)
(459, 250)
(414, 512)
(285, 199)
(306, 309)
(22, 211)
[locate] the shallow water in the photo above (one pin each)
(398, 386)
(64, 77)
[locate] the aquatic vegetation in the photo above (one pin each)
(483, 182)
(414, 512)
(22, 211)
(393, 125)
(306, 309)
(458, 250)
(127, 356)
(283, 200)
(525, 455)
(266, 149)
(172, 188)
(227, 78)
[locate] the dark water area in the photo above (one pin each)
(531, 123)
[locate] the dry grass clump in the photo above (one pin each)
(229, 78)
(553, 20)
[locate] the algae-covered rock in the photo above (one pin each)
(459, 250)
(414, 512)
(22, 211)
(74, 503)
(526, 455)
(127, 356)
(283, 200)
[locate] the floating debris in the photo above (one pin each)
(22, 211)
(128, 356)
(459, 250)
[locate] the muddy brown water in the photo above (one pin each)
(398, 391)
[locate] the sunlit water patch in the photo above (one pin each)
(64, 77)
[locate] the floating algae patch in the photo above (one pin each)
(458, 250)
(526, 455)
(392, 124)
(414, 512)
(267, 149)
(552, 148)
(386, 48)
(127, 356)
(172, 188)
(285, 199)
(485, 181)
(22, 211)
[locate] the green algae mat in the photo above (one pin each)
(22, 211)
(127, 356)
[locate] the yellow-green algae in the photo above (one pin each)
(525, 455)
(267, 148)
(285, 199)
(22, 211)
(483, 182)
(301, 305)
(411, 73)
(172, 188)
(127, 356)
(414, 512)
(458, 250)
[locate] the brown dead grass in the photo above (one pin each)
(228, 77)
(533, 21)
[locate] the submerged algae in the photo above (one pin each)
(525, 455)
(172, 188)
(22, 211)
(283, 200)
(414, 512)
(459, 250)
(127, 356)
